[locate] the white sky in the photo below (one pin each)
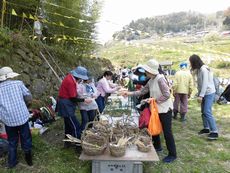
(118, 13)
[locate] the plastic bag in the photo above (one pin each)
(154, 126)
(144, 117)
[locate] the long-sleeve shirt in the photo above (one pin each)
(183, 82)
(159, 90)
(103, 87)
(87, 91)
(205, 83)
(13, 109)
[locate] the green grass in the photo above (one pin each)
(170, 49)
(195, 154)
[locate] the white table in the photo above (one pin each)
(131, 162)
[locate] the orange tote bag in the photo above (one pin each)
(154, 126)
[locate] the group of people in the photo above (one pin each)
(158, 87)
(78, 88)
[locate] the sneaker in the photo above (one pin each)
(28, 158)
(213, 136)
(169, 159)
(204, 131)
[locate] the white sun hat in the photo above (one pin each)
(7, 73)
(151, 67)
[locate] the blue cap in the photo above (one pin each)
(80, 72)
(183, 65)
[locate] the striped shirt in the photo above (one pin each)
(13, 109)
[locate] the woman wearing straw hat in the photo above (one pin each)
(15, 115)
(159, 90)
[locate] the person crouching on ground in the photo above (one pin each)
(182, 89)
(67, 101)
(15, 115)
(159, 90)
(206, 96)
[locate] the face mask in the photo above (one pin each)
(142, 78)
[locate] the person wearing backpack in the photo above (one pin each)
(206, 96)
(15, 115)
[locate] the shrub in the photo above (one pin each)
(223, 64)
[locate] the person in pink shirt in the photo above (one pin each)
(104, 87)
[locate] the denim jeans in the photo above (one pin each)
(86, 116)
(209, 121)
(13, 133)
(100, 103)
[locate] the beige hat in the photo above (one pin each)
(6, 73)
(151, 66)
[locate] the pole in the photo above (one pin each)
(3, 11)
(59, 79)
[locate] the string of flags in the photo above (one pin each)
(30, 16)
(55, 13)
(56, 37)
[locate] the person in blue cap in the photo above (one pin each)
(182, 89)
(67, 101)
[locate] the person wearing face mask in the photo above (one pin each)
(67, 101)
(158, 89)
(87, 89)
(104, 87)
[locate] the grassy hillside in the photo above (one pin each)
(195, 154)
(214, 50)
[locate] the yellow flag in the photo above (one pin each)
(59, 39)
(24, 15)
(14, 12)
(31, 17)
(61, 24)
(64, 37)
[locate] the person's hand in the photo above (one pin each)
(199, 99)
(118, 87)
(88, 100)
(125, 93)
